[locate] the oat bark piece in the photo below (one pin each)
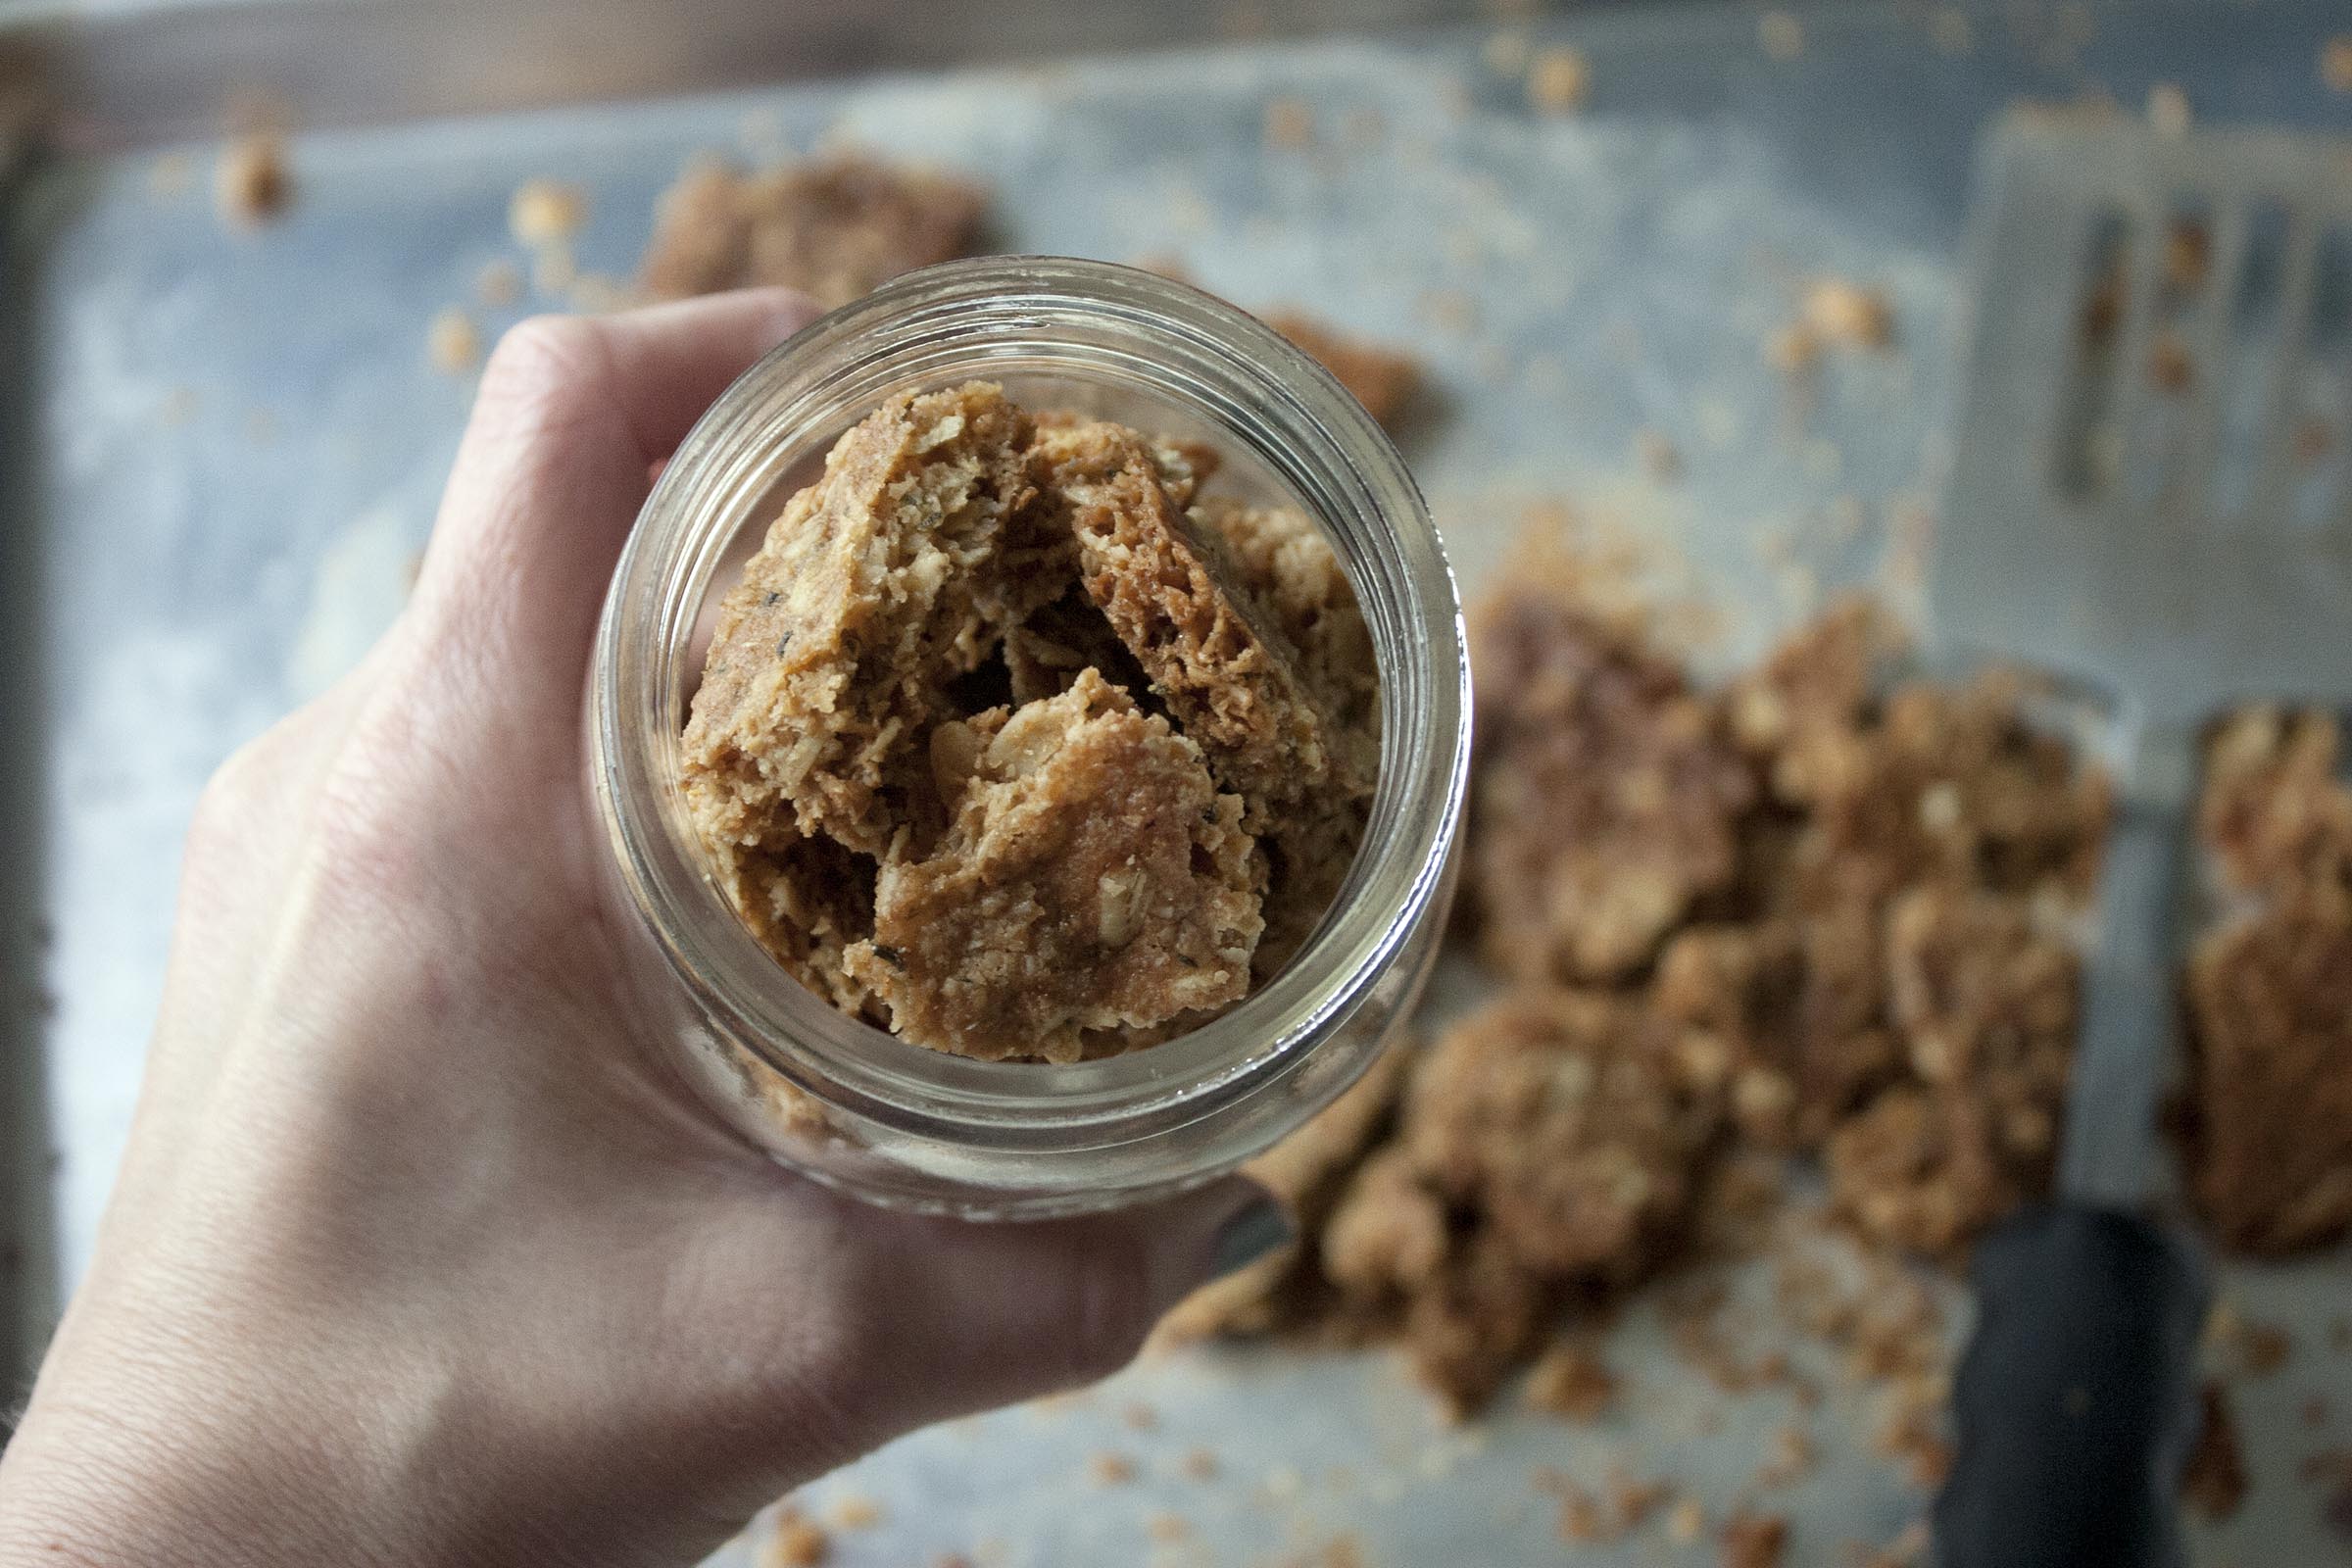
(1949, 783)
(1306, 1173)
(807, 900)
(1607, 801)
(1811, 693)
(1789, 1014)
(2270, 1146)
(890, 575)
(1292, 570)
(1560, 1118)
(1091, 877)
(1228, 680)
(831, 227)
(1918, 1172)
(1383, 380)
(2273, 811)
(1986, 1006)
(1047, 651)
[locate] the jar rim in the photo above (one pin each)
(1088, 319)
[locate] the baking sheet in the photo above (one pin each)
(229, 447)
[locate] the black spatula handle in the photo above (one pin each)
(2076, 1401)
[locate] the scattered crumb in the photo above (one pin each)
(796, 1541)
(1197, 1464)
(499, 283)
(2336, 63)
(1572, 1380)
(452, 342)
(1449, 309)
(546, 212)
(1168, 1528)
(1792, 348)
(1685, 1522)
(1140, 1417)
(252, 184)
(1111, 1469)
(1789, 1457)
(1289, 123)
(1845, 314)
(1558, 80)
(854, 1512)
(1782, 35)
(2214, 1481)
(2170, 369)
(1656, 454)
(1754, 1540)
(2167, 109)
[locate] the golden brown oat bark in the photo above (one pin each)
(1918, 1171)
(2274, 811)
(1608, 801)
(894, 573)
(1091, 877)
(1174, 599)
(831, 227)
(2270, 1006)
(807, 900)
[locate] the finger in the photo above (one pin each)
(571, 416)
(1013, 1311)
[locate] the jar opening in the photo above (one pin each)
(1130, 346)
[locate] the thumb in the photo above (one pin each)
(1015, 1310)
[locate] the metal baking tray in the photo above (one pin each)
(224, 449)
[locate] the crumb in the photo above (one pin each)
(499, 283)
(1140, 1417)
(452, 342)
(2170, 369)
(2214, 1481)
(1290, 125)
(2187, 255)
(1685, 1522)
(1197, 1464)
(1168, 1528)
(251, 183)
(1846, 315)
(1753, 1540)
(1656, 454)
(1111, 1469)
(1572, 1380)
(833, 227)
(2167, 109)
(543, 213)
(1383, 380)
(1450, 311)
(854, 1512)
(1558, 80)
(796, 1541)
(1789, 1457)
(1792, 349)
(2336, 63)
(1780, 35)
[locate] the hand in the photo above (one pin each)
(417, 1255)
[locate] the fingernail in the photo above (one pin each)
(1259, 1230)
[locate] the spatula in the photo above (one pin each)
(2140, 499)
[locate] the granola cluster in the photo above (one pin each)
(1010, 739)
(1802, 912)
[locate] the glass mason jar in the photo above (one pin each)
(901, 1124)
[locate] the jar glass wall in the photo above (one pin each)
(899, 1123)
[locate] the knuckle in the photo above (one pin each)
(1110, 1311)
